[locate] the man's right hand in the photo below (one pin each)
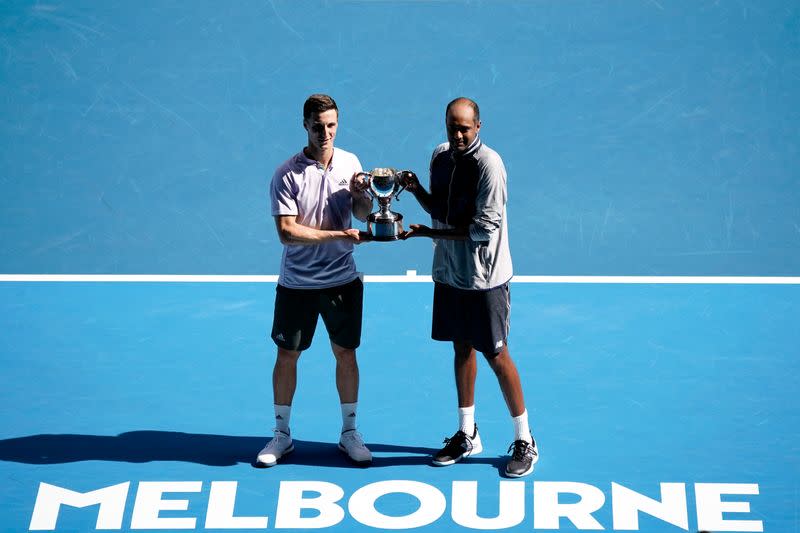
(358, 185)
(410, 181)
(353, 235)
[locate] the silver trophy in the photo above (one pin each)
(383, 183)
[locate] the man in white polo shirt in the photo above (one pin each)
(313, 195)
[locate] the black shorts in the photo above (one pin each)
(480, 318)
(297, 311)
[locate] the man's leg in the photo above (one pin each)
(466, 440)
(284, 383)
(293, 325)
(465, 366)
(347, 376)
(341, 312)
(284, 376)
(524, 452)
(350, 440)
(508, 379)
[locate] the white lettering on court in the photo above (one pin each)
(511, 501)
(547, 511)
(432, 504)
(149, 503)
(291, 503)
(710, 507)
(318, 504)
(221, 503)
(50, 499)
(627, 505)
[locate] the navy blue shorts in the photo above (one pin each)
(480, 318)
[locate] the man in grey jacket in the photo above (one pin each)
(471, 271)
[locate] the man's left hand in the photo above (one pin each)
(416, 230)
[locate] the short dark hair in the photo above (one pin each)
(318, 103)
(469, 102)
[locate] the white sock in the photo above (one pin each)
(466, 419)
(521, 429)
(282, 415)
(349, 416)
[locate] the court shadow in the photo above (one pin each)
(211, 450)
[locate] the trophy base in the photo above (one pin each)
(387, 238)
(382, 229)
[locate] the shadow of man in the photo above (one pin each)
(211, 450)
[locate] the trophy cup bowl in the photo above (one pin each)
(384, 224)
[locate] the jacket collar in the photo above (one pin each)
(471, 150)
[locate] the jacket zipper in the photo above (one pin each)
(450, 194)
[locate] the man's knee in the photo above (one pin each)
(287, 356)
(498, 361)
(462, 350)
(343, 355)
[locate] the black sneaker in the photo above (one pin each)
(523, 456)
(457, 447)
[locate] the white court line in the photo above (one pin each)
(411, 276)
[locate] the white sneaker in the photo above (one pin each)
(352, 444)
(277, 447)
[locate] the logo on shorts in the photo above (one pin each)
(498, 344)
(280, 337)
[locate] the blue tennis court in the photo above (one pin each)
(637, 385)
(654, 218)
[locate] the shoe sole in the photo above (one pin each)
(474, 451)
(262, 464)
(358, 463)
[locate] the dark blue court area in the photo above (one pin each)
(641, 138)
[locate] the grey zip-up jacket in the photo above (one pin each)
(469, 190)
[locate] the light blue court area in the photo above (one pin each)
(166, 388)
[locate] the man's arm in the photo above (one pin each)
(292, 232)
(362, 206)
(453, 234)
(489, 206)
(410, 180)
(490, 202)
(425, 199)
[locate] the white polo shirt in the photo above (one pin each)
(321, 199)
